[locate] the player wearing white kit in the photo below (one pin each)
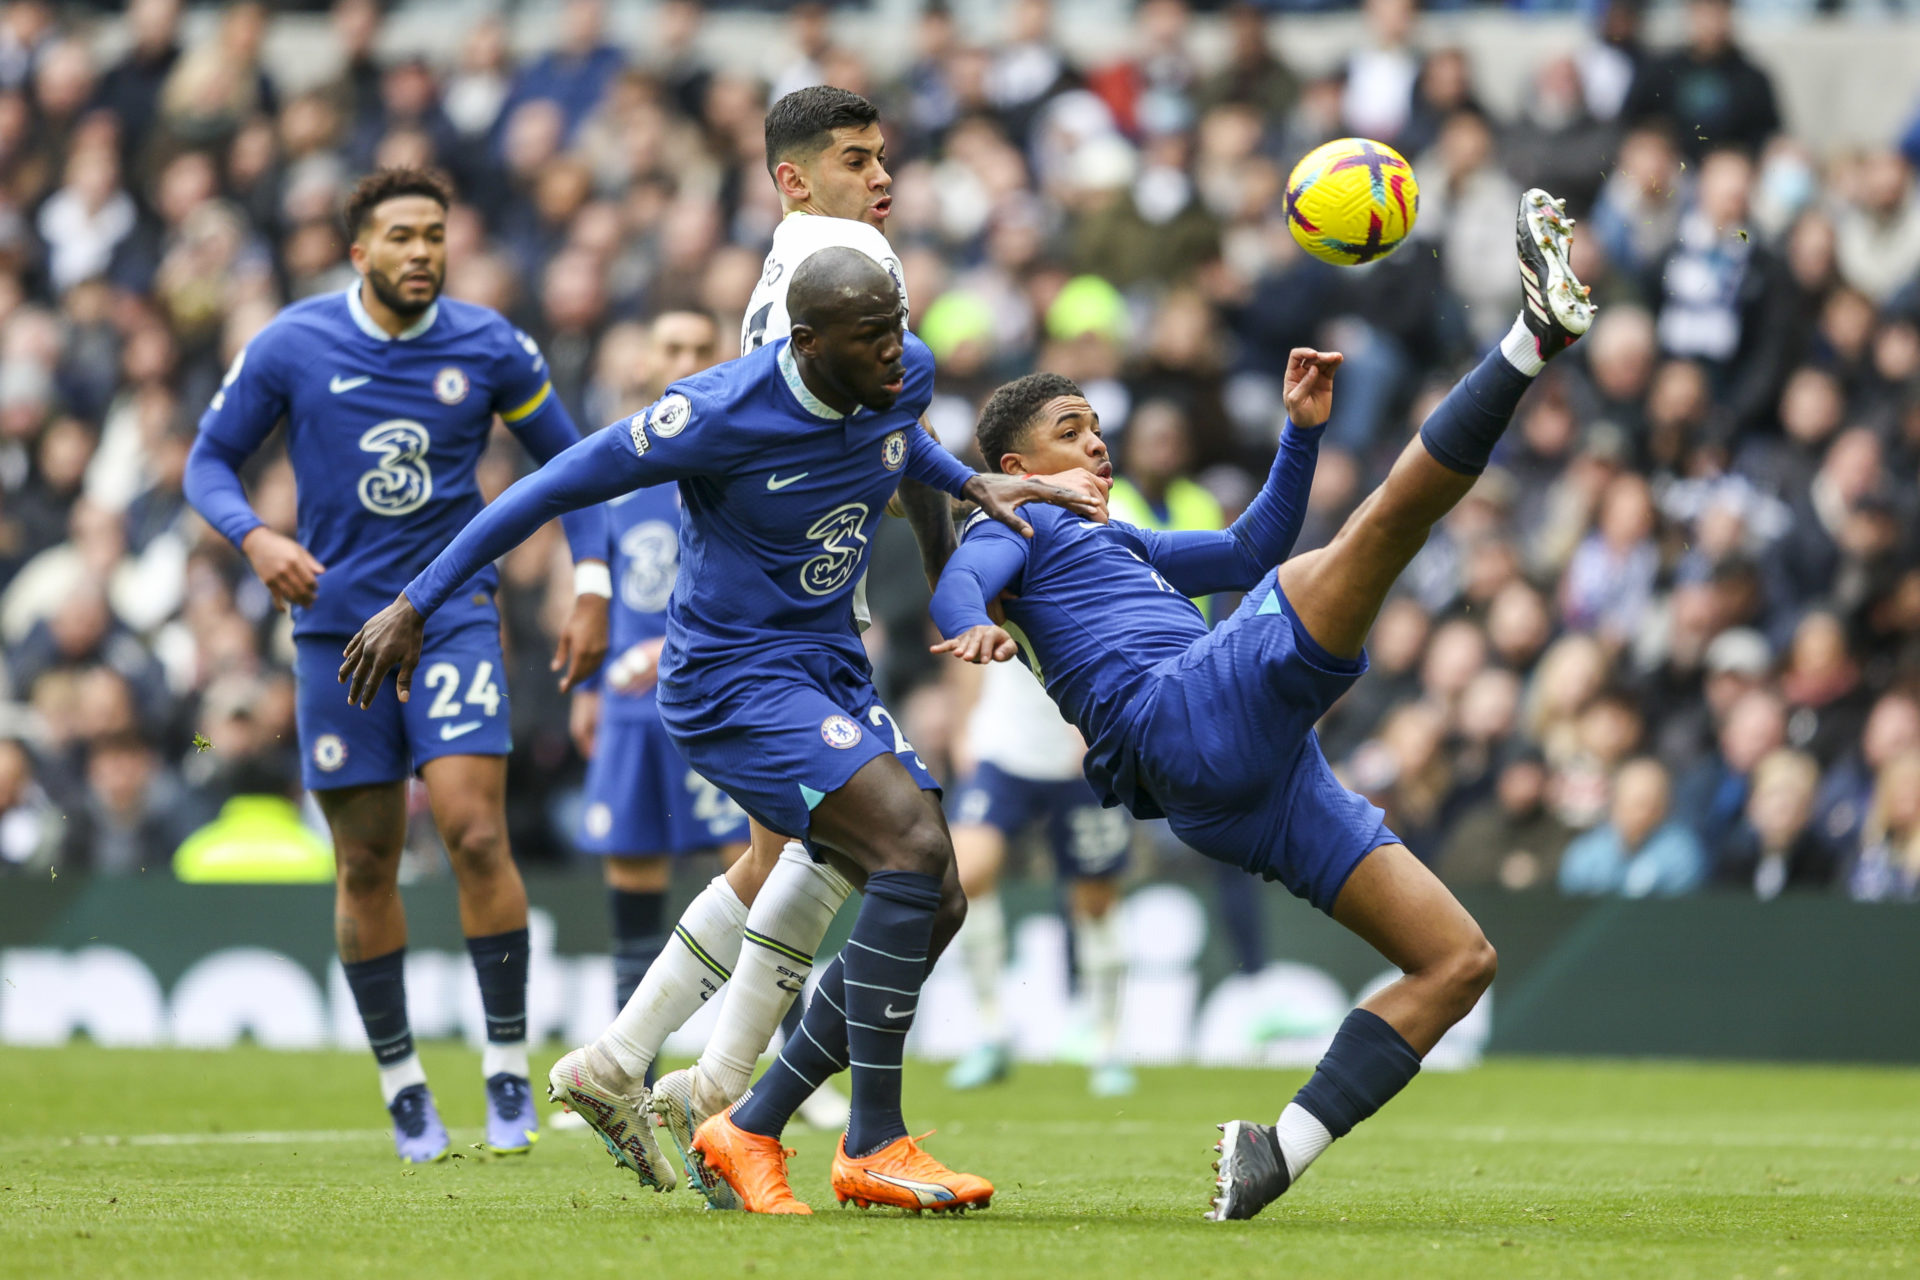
(1027, 774)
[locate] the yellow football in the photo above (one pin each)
(1352, 201)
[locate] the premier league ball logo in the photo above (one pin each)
(893, 453)
(450, 385)
(839, 732)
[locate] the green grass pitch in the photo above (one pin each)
(250, 1163)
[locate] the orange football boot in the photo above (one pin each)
(754, 1165)
(903, 1176)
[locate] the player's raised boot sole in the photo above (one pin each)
(419, 1137)
(1250, 1174)
(682, 1110)
(623, 1123)
(513, 1126)
(902, 1176)
(1556, 308)
(753, 1165)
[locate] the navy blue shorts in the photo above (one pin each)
(1089, 842)
(643, 799)
(1225, 745)
(782, 739)
(458, 707)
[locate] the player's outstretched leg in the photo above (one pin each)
(1337, 590)
(1394, 903)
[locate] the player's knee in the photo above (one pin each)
(476, 845)
(1471, 968)
(364, 872)
(922, 847)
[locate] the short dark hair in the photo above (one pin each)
(1010, 411)
(383, 185)
(803, 121)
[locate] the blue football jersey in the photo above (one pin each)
(779, 495)
(645, 561)
(384, 435)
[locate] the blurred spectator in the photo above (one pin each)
(1776, 848)
(131, 88)
(1878, 231)
(575, 73)
(1380, 74)
(1511, 839)
(1708, 92)
(34, 834)
(1713, 794)
(1846, 795)
(138, 812)
(1888, 867)
(1639, 852)
(258, 837)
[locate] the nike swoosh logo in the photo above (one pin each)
(925, 1192)
(1088, 524)
(900, 1013)
(775, 482)
(448, 732)
(340, 384)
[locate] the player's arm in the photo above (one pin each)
(987, 563)
(533, 413)
(1198, 563)
(251, 399)
(603, 466)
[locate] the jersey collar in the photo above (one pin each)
(813, 404)
(372, 330)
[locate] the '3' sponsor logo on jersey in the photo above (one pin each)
(842, 536)
(400, 483)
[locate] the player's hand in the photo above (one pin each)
(289, 569)
(1309, 393)
(1080, 480)
(390, 641)
(583, 721)
(583, 641)
(979, 644)
(1002, 496)
(637, 669)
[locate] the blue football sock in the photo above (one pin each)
(886, 965)
(1463, 429)
(500, 961)
(813, 1054)
(1367, 1063)
(379, 989)
(639, 935)
(790, 1021)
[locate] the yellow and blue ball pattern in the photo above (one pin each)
(1352, 201)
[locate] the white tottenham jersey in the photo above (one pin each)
(1016, 728)
(798, 237)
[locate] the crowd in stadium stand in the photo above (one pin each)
(1670, 641)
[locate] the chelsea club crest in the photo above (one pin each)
(450, 385)
(893, 451)
(839, 732)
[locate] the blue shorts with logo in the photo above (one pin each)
(641, 796)
(1088, 841)
(1223, 745)
(783, 737)
(458, 707)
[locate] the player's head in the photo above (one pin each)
(1041, 425)
(850, 325)
(827, 156)
(397, 235)
(681, 344)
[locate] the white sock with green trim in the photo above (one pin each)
(983, 946)
(1102, 954)
(783, 931)
(698, 958)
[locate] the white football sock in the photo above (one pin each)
(510, 1058)
(783, 931)
(1302, 1138)
(983, 946)
(1522, 349)
(697, 959)
(399, 1075)
(1102, 957)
